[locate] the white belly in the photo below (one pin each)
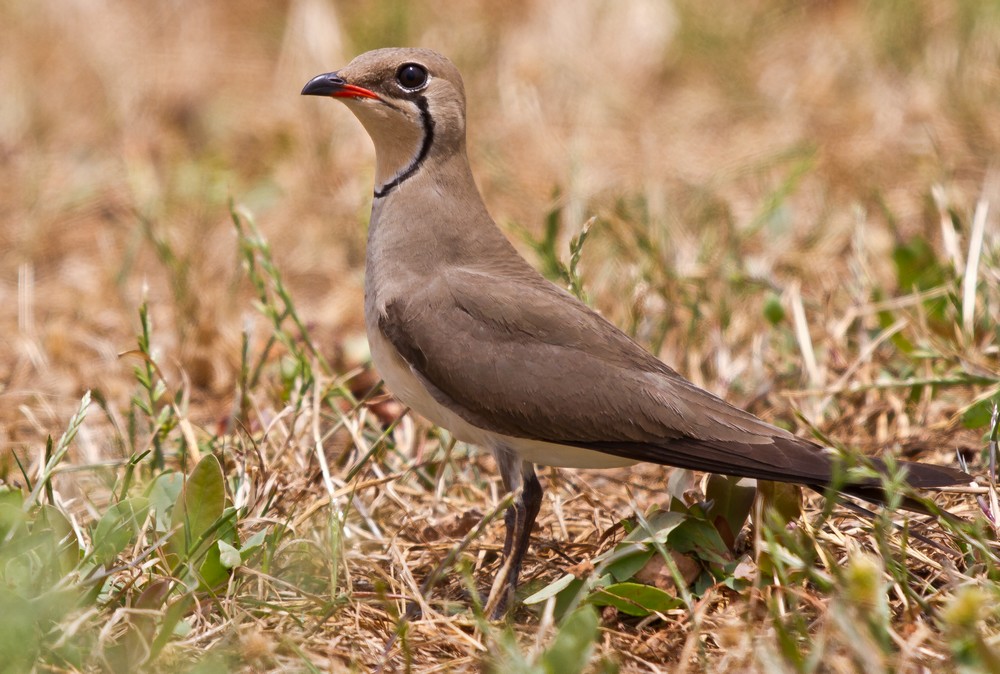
(405, 385)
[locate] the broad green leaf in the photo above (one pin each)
(732, 500)
(626, 558)
(212, 573)
(225, 530)
(661, 523)
(11, 497)
(701, 538)
(19, 632)
(118, 527)
(635, 599)
(780, 500)
(979, 414)
(627, 566)
(12, 519)
(740, 574)
(567, 600)
(550, 590)
(163, 493)
(67, 548)
(29, 563)
(201, 502)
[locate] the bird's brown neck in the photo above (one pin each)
(437, 210)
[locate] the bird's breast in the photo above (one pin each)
(406, 386)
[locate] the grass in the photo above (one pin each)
(795, 204)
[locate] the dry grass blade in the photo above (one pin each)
(785, 201)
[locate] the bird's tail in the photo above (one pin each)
(916, 475)
(787, 459)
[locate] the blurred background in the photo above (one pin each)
(794, 203)
(729, 153)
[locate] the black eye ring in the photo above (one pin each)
(411, 76)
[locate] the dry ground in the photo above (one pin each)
(785, 199)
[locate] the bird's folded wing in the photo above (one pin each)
(523, 358)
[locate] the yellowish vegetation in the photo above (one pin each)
(795, 204)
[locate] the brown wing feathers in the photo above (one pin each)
(571, 387)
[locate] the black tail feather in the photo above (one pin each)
(786, 459)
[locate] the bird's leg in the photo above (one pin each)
(530, 503)
(510, 524)
(519, 520)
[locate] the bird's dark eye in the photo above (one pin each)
(412, 76)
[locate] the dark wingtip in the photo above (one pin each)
(930, 476)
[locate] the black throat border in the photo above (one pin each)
(425, 148)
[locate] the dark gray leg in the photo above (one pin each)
(524, 510)
(519, 518)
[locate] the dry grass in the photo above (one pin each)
(763, 181)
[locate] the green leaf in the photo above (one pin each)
(212, 573)
(626, 558)
(732, 500)
(200, 504)
(774, 312)
(635, 599)
(550, 590)
(67, 548)
(740, 574)
(780, 500)
(629, 565)
(228, 555)
(118, 527)
(13, 521)
(11, 497)
(979, 414)
(29, 563)
(661, 523)
(917, 265)
(252, 545)
(19, 632)
(163, 493)
(701, 538)
(570, 651)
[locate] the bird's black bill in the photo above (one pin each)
(331, 84)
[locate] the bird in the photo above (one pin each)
(463, 330)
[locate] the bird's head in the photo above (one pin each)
(411, 102)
